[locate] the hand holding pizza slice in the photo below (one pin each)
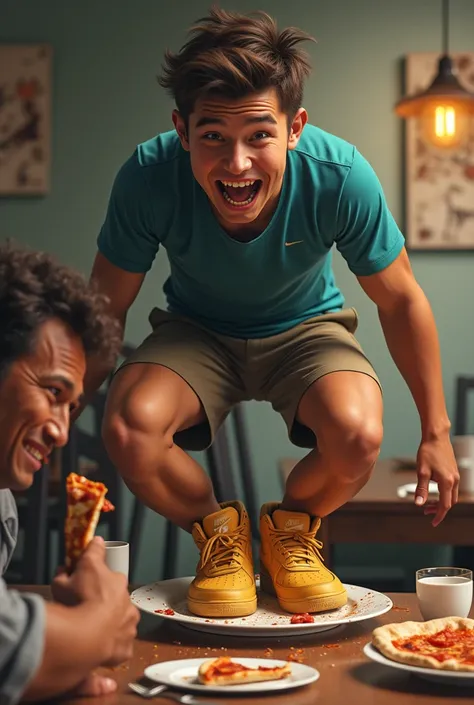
(85, 501)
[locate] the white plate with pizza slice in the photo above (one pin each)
(184, 675)
(167, 599)
(459, 678)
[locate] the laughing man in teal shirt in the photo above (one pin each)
(248, 200)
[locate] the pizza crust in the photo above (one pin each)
(248, 675)
(382, 638)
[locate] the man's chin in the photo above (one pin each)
(21, 481)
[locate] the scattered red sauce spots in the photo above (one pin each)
(304, 618)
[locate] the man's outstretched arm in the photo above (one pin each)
(412, 339)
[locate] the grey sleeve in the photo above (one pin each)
(22, 630)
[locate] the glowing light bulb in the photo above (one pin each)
(445, 125)
(445, 122)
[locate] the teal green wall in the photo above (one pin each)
(106, 99)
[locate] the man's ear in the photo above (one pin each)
(180, 127)
(296, 128)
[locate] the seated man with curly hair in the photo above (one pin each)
(51, 321)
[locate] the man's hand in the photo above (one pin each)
(62, 589)
(436, 461)
(105, 592)
(94, 686)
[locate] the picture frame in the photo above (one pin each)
(439, 182)
(25, 119)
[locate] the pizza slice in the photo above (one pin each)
(107, 506)
(442, 644)
(225, 671)
(85, 501)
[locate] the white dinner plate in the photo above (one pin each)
(182, 674)
(410, 489)
(269, 620)
(465, 678)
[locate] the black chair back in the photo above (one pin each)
(463, 386)
(29, 567)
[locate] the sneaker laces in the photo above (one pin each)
(224, 551)
(299, 548)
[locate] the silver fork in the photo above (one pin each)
(145, 690)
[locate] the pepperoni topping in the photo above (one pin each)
(457, 644)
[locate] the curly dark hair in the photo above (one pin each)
(233, 55)
(34, 288)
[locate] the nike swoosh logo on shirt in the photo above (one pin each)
(296, 242)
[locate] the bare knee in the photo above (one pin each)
(352, 443)
(145, 407)
(137, 433)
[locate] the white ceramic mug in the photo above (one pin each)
(117, 555)
(466, 475)
(444, 592)
(463, 447)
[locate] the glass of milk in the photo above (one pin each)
(444, 592)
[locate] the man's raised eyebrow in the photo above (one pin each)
(209, 120)
(256, 120)
(66, 382)
(261, 118)
(63, 380)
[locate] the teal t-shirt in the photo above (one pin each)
(331, 196)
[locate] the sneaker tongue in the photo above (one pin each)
(291, 521)
(221, 522)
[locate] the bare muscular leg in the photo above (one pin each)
(146, 405)
(344, 410)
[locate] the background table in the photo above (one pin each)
(378, 515)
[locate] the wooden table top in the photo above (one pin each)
(381, 490)
(346, 674)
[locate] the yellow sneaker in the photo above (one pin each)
(291, 566)
(224, 585)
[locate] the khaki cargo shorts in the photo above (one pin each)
(224, 371)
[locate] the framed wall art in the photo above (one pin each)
(439, 181)
(25, 119)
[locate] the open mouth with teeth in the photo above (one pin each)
(240, 193)
(34, 452)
